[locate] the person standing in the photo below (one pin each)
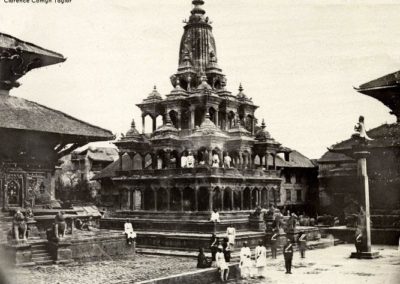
(214, 248)
(226, 250)
(359, 242)
(303, 244)
(231, 234)
(221, 264)
(261, 259)
(245, 261)
(274, 243)
(288, 255)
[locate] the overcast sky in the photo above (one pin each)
(298, 60)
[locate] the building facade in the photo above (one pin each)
(209, 153)
(340, 191)
(33, 137)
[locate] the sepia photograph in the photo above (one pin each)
(199, 141)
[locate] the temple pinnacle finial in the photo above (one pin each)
(155, 88)
(263, 124)
(197, 7)
(240, 87)
(133, 125)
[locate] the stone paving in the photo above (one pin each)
(328, 266)
(121, 270)
(333, 266)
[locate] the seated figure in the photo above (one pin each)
(59, 228)
(215, 161)
(190, 160)
(227, 161)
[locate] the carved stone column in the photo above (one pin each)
(216, 118)
(192, 122)
(143, 162)
(241, 199)
(120, 154)
(181, 191)
(143, 124)
(179, 118)
(155, 199)
(222, 199)
(168, 199)
(154, 123)
(226, 121)
(232, 200)
(196, 199)
(210, 199)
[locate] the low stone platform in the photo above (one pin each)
(365, 255)
(82, 246)
(177, 221)
(378, 236)
(191, 241)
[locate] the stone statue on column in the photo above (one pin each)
(360, 131)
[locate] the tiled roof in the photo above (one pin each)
(18, 113)
(48, 57)
(386, 135)
(110, 170)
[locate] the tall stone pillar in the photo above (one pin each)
(232, 200)
(168, 199)
(274, 161)
(241, 159)
(192, 122)
(120, 154)
(155, 199)
(222, 199)
(179, 118)
(241, 199)
(181, 191)
(217, 118)
(154, 123)
(226, 121)
(143, 162)
(196, 199)
(266, 160)
(143, 124)
(210, 199)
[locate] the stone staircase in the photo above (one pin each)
(40, 254)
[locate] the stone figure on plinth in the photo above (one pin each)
(19, 227)
(59, 228)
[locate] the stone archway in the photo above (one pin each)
(217, 198)
(203, 197)
(228, 199)
(176, 204)
(162, 200)
(246, 198)
(189, 199)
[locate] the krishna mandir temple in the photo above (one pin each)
(207, 154)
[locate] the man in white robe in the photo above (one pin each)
(261, 259)
(245, 261)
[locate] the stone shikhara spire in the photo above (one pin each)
(198, 53)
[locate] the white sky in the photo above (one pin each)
(298, 60)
